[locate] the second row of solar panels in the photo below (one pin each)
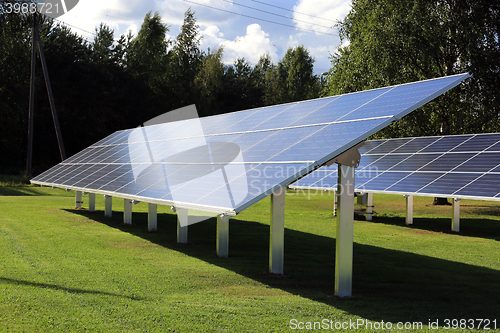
(457, 166)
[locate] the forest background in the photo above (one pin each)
(112, 84)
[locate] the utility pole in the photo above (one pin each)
(36, 37)
(29, 163)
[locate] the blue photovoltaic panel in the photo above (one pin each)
(449, 183)
(388, 162)
(413, 146)
(447, 162)
(487, 185)
(484, 162)
(225, 163)
(388, 146)
(380, 182)
(414, 182)
(415, 162)
(461, 166)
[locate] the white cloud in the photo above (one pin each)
(173, 11)
(118, 15)
(211, 36)
(133, 28)
(252, 46)
(325, 13)
(219, 27)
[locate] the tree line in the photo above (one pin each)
(107, 85)
(393, 42)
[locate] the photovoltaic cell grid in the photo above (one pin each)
(226, 163)
(461, 166)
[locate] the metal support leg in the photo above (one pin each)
(362, 199)
(152, 217)
(182, 225)
(277, 232)
(78, 199)
(455, 221)
(369, 206)
(222, 237)
(334, 203)
(127, 211)
(345, 232)
(108, 206)
(409, 209)
(91, 202)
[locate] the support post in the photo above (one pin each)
(277, 232)
(362, 199)
(222, 237)
(369, 206)
(455, 221)
(334, 203)
(127, 211)
(108, 206)
(182, 225)
(91, 202)
(152, 217)
(345, 232)
(78, 199)
(409, 209)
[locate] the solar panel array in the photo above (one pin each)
(460, 166)
(226, 163)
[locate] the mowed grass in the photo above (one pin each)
(69, 270)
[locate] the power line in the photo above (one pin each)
(260, 19)
(75, 27)
(70, 25)
(287, 17)
(293, 11)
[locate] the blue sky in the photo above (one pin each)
(249, 33)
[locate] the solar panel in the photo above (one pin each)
(458, 166)
(226, 163)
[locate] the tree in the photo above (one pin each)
(15, 53)
(266, 79)
(296, 75)
(106, 85)
(187, 60)
(103, 44)
(108, 103)
(149, 49)
(210, 82)
(148, 60)
(392, 42)
(242, 91)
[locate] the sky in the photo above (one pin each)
(245, 28)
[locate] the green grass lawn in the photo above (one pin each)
(69, 270)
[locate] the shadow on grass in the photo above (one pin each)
(481, 228)
(56, 287)
(20, 191)
(388, 285)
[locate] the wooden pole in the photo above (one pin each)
(29, 162)
(51, 96)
